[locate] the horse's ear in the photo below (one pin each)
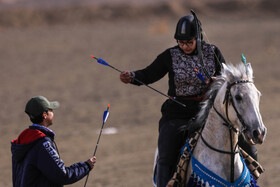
(228, 73)
(249, 71)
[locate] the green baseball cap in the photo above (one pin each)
(39, 104)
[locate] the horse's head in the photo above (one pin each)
(241, 102)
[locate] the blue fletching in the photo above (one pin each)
(105, 115)
(103, 62)
(200, 76)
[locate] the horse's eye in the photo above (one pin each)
(238, 97)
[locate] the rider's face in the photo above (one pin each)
(187, 46)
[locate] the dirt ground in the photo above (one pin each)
(54, 61)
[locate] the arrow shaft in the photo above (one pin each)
(147, 86)
(98, 139)
(160, 93)
(96, 146)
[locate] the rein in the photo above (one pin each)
(227, 99)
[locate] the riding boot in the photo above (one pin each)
(163, 175)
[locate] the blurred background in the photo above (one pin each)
(46, 48)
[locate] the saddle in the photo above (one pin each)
(179, 177)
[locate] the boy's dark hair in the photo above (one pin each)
(37, 119)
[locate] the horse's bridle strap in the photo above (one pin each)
(228, 97)
(217, 150)
(232, 84)
(226, 122)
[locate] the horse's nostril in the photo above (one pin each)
(256, 133)
(258, 137)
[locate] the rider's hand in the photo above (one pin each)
(210, 81)
(126, 77)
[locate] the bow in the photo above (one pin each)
(198, 45)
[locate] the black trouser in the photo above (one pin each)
(170, 141)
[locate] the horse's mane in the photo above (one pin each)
(229, 74)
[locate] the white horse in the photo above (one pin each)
(231, 108)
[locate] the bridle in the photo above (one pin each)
(229, 99)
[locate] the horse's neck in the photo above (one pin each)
(217, 135)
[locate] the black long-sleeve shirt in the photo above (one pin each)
(183, 70)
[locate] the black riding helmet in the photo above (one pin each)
(186, 28)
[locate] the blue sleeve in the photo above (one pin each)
(50, 164)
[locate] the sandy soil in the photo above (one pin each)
(54, 61)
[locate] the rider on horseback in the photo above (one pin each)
(188, 82)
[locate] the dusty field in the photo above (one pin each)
(54, 61)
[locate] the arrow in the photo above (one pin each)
(105, 117)
(103, 62)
